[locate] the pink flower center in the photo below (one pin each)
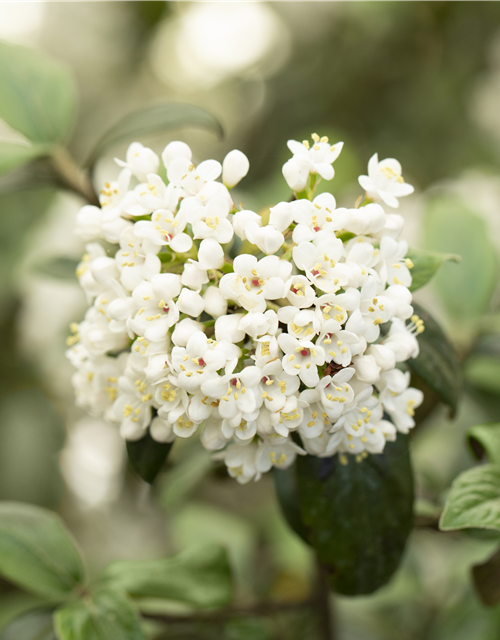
(168, 237)
(264, 380)
(234, 382)
(304, 352)
(166, 308)
(317, 229)
(315, 272)
(201, 362)
(255, 282)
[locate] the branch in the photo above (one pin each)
(72, 177)
(259, 609)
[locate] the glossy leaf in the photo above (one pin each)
(465, 289)
(485, 438)
(62, 268)
(13, 155)
(36, 550)
(37, 95)
(437, 363)
(147, 457)
(486, 578)
(474, 500)
(104, 614)
(357, 516)
(35, 625)
(199, 576)
(285, 482)
(156, 119)
(425, 265)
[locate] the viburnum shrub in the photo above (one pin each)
(274, 335)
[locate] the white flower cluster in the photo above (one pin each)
(247, 327)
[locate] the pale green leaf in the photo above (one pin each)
(200, 576)
(37, 95)
(13, 155)
(474, 500)
(34, 625)
(425, 265)
(36, 550)
(483, 371)
(104, 614)
(61, 268)
(465, 289)
(153, 120)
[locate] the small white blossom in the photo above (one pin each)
(384, 181)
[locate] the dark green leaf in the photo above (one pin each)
(426, 265)
(156, 119)
(147, 456)
(486, 578)
(35, 625)
(437, 363)
(357, 516)
(474, 500)
(102, 615)
(465, 289)
(285, 481)
(36, 550)
(61, 268)
(200, 577)
(37, 95)
(13, 155)
(485, 438)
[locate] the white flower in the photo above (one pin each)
(384, 181)
(367, 369)
(402, 407)
(183, 174)
(340, 346)
(183, 331)
(299, 292)
(161, 430)
(296, 174)
(374, 310)
(277, 454)
(190, 302)
(240, 460)
(392, 267)
(210, 221)
(318, 158)
(215, 303)
(335, 393)
(317, 215)
(164, 229)
(133, 406)
(267, 238)
(234, 168)
(321, 262)
(368, 219)
(228, 328)
(255, 281)
(157, 311)
(140, 161)
(401, 339)
(234, 392)
(240, 221)
(151, 196)
(302, 323)
(133, 262)
(301, 358)
(257, 324)
(197, 361)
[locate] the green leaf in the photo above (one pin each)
(37, 95)
(62, 268)
(35, 625)
(426, 265)
(474, 500)
(357, 516)
(104, 614)
(437, 363)
(147, 457)
(486, 578)
(199, 576)
(483, 372)
(485, 438)
(155, 119)
(286, 484)
(13, 155)
(36, 550)
(465, 289)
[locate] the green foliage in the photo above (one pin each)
(486, 578)
(200, 577)
(474, 500)
(155, 119)
(437, 363)
(103, 614)
(37, 95)
(425, 265)
(465, 289)
(485, 438)
(483, 372)
(357, 516)
(34, 625)
(147, 456)
(13, 155)
(61, 268)
(37, 552)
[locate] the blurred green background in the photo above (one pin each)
(418, 81)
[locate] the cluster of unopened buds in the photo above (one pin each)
(274, 334)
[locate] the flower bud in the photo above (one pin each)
(161, 430)
(367, 369)
(184, 330)
(295, 175)
(210, 254)
(240, 221)
(104, 269)
(140, 161)
(190, 302)
(88, 222)
(175, 150)
(234, 168)
(215, 303)
(194, 277)
(384, 357)
(227, 328)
